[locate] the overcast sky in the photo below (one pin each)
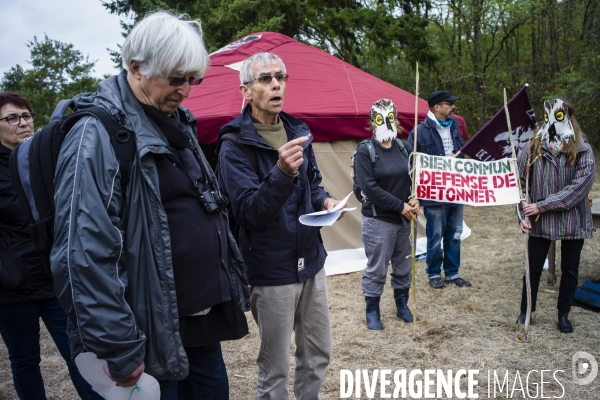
(84, 23)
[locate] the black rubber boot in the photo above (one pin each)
(521, 319)
(373, 314)
(402, 310)
(564, 325)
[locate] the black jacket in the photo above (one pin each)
(386, 182)
(277, 249)
(24, 272)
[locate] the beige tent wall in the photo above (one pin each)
(333, 159)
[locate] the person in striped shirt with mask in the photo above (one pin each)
(561, 173)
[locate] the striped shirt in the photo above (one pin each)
(561, 193)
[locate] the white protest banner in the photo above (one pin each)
(462, 181)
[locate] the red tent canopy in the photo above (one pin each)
(331, 96)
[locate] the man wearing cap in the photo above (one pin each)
(438, 135)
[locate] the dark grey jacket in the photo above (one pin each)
(112, 265)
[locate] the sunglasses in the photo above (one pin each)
(180, 80)
(265, 79)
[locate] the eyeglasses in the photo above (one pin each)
(449, 103)
(265, 79)
(15, 119)
(180, 80)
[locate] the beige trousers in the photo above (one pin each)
(279, 310)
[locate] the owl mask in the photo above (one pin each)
(557, 127)
(383, 119)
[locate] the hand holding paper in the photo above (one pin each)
(333, 212)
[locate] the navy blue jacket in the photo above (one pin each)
(277, 249)
(429, 142)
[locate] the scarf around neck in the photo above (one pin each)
(171, 127)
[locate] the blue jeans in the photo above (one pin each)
(444, 222)
(20, 329)
(207, 379)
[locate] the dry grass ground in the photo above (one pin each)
(469, 328)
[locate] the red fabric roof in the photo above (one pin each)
(331, 96)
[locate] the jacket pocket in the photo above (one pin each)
(11, 276)
(13, 264)
(367, 223)
(427, 144)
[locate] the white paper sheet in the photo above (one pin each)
(92, 370)
(326, 218)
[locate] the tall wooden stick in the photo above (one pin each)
(526, 252)
(412, 192)
(523, 201)
(512, 144)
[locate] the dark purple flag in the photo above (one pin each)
(492, 142)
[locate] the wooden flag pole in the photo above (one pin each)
(412, 190)
(523, 201)
(512, 144)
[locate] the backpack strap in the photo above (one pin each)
(121, 139)
(373, 156)
(247, 150)
(401, 146)
(371, 148)
(61, 109)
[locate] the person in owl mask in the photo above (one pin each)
(561, 173)
(386, 212)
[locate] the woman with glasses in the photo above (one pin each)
(26, 287)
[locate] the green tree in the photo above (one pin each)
(487, 45)
(474, 48)
(58, 71)
(357, 31)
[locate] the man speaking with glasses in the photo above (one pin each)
(438, 135)
(267, 168)
(148, 271)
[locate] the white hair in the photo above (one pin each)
(166, 44)
(262, 59)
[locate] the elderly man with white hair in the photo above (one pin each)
(143, 260)
(268, 169)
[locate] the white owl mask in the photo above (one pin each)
(557, 127)
(383, 118)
